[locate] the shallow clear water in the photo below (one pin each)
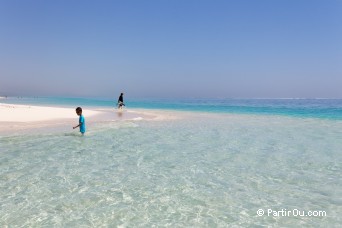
(210, 170)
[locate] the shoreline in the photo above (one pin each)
(19, 118)
(330, 110)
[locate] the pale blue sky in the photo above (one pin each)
(176, 48)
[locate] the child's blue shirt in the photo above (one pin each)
(82, 124)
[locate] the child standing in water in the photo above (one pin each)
(81, 121)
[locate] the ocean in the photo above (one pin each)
(223, 163)
(315, 108)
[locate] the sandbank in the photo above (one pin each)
(16, 118)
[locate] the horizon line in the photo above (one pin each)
(181, 98)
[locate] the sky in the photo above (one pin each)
(171, 49)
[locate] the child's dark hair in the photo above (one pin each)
(78, 109)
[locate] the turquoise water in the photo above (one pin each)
(201, 170)
(314, 108)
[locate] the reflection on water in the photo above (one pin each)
(119, 113)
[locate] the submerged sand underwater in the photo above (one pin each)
(198, 170)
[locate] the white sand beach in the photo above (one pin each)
(15, 118)
(26, 113)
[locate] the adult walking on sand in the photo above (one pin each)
(120, 101)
